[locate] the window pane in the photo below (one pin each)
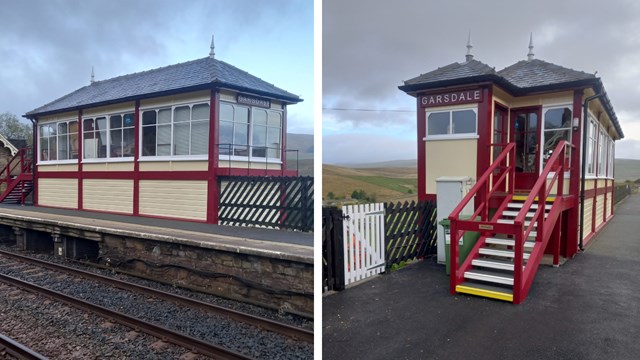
(241, 114)
(149, 117)
(464, 122)
(181, 139)
(275, 119)
(259, 139)
(44, 148)
(200, 112)
(115, 121)
(73, 127)
(87, 125)
(164, 116)
(62, 128)
(199, 137)
(164, 140)
(44, 131)
(181, 113)
(74, 144)
(438, 123)
(52, 148)
(52, 130)
(149, 140)
(273, 142)
(241, 134)
(115, 149)
(128, 142)
(226, 112)
(226, 137)
(102, 141)
(551, 140)
(101, 123)
(128, 120)
(557, 118)
(259, 117)
(63, 146)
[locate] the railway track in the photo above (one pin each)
(175, 337)
(16, 350)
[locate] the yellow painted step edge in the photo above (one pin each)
(523, 198)
(486, 293)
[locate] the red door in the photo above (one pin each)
(525, 132)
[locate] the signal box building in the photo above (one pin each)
(153, 143)
(532, 136)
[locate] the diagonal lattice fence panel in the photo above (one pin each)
(273, 202)
(410, 231)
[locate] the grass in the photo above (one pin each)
(388, 185)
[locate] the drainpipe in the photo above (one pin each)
(585, 114)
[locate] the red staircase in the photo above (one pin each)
(16, 178)
(505, 259)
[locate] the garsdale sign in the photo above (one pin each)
(452, 98)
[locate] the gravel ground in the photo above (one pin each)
(280, 316)
(61, 332)
(215, 329)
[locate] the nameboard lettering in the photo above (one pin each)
(253, 101)
(452, 98)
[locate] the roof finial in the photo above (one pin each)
(469, 55)
(93, 77)
(212, 53)
(530, 54)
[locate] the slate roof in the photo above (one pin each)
(453, 71)
(188, 76)
(534, 73)
(19, 143)
(522, 78)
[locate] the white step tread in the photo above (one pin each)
(489, 276)
(511, 221)
(533, 206)
(493, 264)
(502, 253)
(515, 213)
(509, 242)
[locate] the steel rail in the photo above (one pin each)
(190, 343)
(266, 324)
(17, 350)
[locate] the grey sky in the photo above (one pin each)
(47, 47)
(371, 46)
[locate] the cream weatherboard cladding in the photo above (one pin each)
(449, 158)
(58, 193)
(176, 199)
(108, 195)
(599, 210)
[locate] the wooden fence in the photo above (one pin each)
(410, 231)
(273, 202)
(620, 192)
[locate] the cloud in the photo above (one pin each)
(370, 47)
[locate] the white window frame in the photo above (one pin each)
(108, 144)
(610, 159)
(157, 107)
(451, 136)
(251, 158)
(567, 174)
(592, 145)
(37, 145)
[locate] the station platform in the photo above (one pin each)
(281, 244)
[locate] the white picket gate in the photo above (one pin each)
(364, 250)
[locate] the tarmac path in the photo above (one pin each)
(589, 308)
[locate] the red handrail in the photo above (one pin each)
(481, 191)
(22, 161)
(522, 278)
(541, 189)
